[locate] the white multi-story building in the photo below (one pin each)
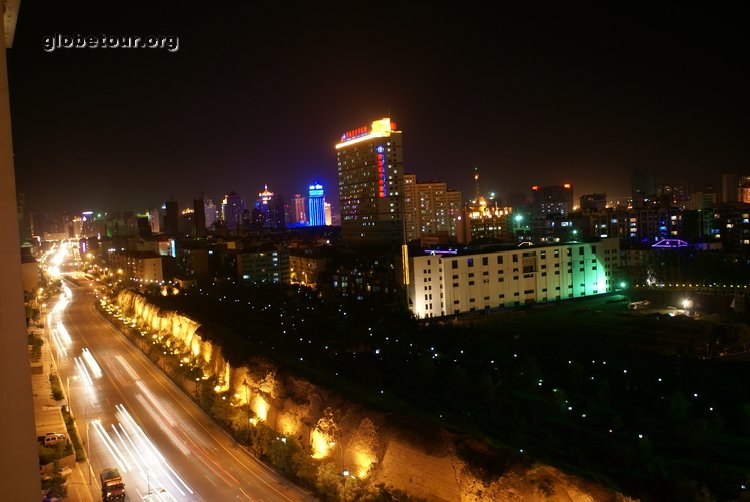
(446, 284)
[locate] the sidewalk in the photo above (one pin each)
(48, 418)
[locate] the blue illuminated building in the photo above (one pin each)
(316, 205)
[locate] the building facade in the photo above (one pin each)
(371, 184)
(316, 205)
(552, 199)
(449, 284)
(430, 207)
(299, 208)
(232, 209)
(266, 265)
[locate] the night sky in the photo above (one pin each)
(259, 94)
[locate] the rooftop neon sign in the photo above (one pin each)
(434, 252)
(379, 129)
(670, 243)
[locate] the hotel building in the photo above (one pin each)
(371, 184)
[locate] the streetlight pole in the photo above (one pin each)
(247, 407)
(88, 445)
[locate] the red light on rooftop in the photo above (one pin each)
(566, 185)
(393, 126)
(535, 187)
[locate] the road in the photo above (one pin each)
(138, 420)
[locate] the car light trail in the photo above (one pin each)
(183, 440)
(113, 449)
(95, 368)
(64, 333)
(84, 373)
(135, 453)
(151, 457)
(59, 343)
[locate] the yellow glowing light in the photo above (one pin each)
(363, 460)
(321, 444)
(380, 129)
(260, 407)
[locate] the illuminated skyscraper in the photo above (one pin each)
(316, 204)
(371, 184)
(300, 212)
(271, 207)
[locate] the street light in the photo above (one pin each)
(518, 219)
(88, 445)
(85, 421)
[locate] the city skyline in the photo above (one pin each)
(254, 97)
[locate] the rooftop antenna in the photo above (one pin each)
(476, 182)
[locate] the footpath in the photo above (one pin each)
(48, 418)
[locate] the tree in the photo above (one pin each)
(57, 487)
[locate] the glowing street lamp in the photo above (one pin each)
(518, 219)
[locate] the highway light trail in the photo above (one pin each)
(181, 438)
(84, 374)
(57, 338)
(178, 433)
(135, 453)
(95, 368)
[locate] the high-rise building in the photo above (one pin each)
(429, 207)
(144, 228)
(328, 213)
(486, 221)
(730, 184)
(154, 220)
(643, 183)
(743, 189)
(316, 204)
(209, 209)
(271, 207)
(187, 223)
(593, 201)
(371, 184)
(553, 199)
(232, 208)
(171, 218)
(199, 217)
(300, 210)
(276, 212)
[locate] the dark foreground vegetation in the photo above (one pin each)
(635, 402)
